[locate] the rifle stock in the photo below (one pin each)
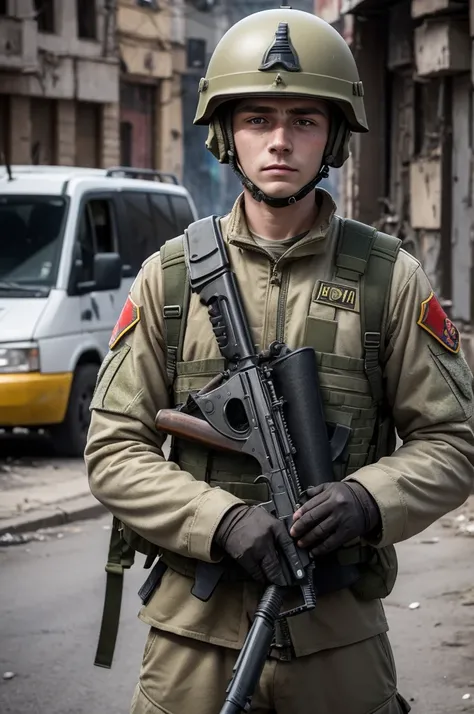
(185, 426)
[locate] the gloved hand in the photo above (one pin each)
(335, 513)
(252, 536)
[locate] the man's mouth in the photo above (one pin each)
(279, 168)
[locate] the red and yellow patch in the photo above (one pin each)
(434, 320)
(128, 318)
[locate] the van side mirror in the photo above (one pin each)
(107, 274)
(107, 271)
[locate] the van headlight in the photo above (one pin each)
(21, 358)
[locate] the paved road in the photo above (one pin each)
(50, 605)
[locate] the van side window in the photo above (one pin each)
(85, 239)
(96, 234)
(138, 234)
(182, 212)
(102, 224)
(165, 224)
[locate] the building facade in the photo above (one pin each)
(59, 98)
(412, 174)
(92, 82)
(150, 38)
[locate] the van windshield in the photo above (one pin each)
(31, 229)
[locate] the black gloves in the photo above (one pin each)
(335, 513)
(251, 536)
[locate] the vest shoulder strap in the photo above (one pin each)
(366, 255)
(177, 292)
(354, 248)
(176, 300)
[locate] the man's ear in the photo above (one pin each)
(217, 142)
(337, 147)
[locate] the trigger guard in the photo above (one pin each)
(269, 506)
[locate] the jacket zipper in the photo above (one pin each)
(282, 281)
(282, 298)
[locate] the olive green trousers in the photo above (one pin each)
(184, 676)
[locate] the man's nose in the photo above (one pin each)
(280, 140)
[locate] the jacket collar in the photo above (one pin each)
(236, 231)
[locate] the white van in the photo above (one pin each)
(71, 242)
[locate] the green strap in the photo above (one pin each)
(376, 283)
(176, 299)
(367, 256)
(353, 251)
(120, 556)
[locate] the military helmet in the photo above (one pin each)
(283, 53)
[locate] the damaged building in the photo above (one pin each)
(92, 82)
(412, 174)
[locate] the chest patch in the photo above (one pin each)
(337, 295)
(434, 320)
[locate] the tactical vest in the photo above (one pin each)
(353, 395)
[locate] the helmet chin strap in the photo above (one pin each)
(256, 192)
(261, 196)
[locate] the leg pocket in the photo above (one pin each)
(387, 649)
(142, 705)
(152, 635)
(404, 706)
(180, 675)
(395, 705)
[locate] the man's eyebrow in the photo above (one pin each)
(261, 109)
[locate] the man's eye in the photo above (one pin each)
(256, 120)
(305, 122)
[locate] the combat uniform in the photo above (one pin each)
(341, 660)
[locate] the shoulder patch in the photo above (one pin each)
(128, 319)
(434, 320)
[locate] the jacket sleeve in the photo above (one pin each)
(428, 387)
(124, 459)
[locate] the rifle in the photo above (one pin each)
(268, 406)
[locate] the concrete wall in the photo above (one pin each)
(56, 82)
(64, 132)
(20, 130)
(152, 54)
(110, 142)
(169, 139)
(66, 135)
(59, 65)
(137, 113)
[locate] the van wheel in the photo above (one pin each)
(69, 438)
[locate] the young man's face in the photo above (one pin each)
(280, 142)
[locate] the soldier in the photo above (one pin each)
(281, 97)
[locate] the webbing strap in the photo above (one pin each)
(120, 556)
(353, 252)
(366, 256)
(375, 284)
(176, 299)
